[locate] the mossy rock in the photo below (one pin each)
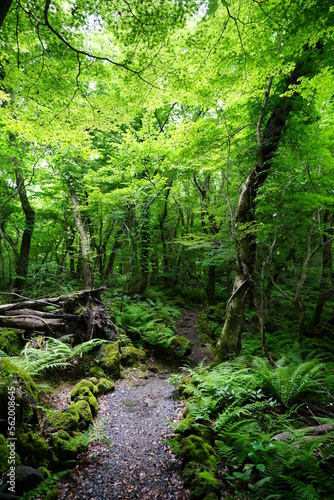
(96, 371)
(11, 341)
(104, 386)
(195, 449)
(93, 379)
(205, 484)
(33, 449)
(4, 454)
(66, 420)
(188, 426)
(85, 413)
(65, 450)
(180, 346)
(80, 387)
(86, 395)
(190, 472)
(131, 355)
(25, 395)
(110, 359)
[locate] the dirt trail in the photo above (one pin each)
(139, 463)
(186, 327)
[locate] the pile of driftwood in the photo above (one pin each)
(82, 314)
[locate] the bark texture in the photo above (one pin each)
(82, 314)
(23, 260)
(230, 341)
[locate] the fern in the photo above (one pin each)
(291, 384)
(53, 354)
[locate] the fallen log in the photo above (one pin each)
(82, 313)
(307, 433)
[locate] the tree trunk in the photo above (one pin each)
(87, 271)
(4, 8)
(210, 288)
(23, 260)
(230, 341)
(112, 257)
(327, 278)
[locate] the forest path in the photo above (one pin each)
(139, 463)
(186, 326)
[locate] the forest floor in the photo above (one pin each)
(136, 418)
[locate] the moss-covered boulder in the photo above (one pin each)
(110, 359)
(195, 449)
(66, 420)
(204, 485)
(80, 386)
(94, 380)
(180, 346)
(104, 386)
(189, 426)
(131, 355)
(85, 413)
(4, 454)
(64, 450)
(32, 449)
(11, 341)
(190, 471)
(25, 395)
(86, 395)
(96, 371)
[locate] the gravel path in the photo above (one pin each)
(139, 463)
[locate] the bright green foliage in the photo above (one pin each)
(54, 354)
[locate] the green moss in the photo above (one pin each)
(52, 495)
(186, 426)
(180, 346)
(4, 454)
(33, 449)
(211, 496)
(131, 355)
(203, 485)
(80, 386)
(190, 471)
(67, 419)
(11, 341)
(96, 371)
(111, 360)
(194, 448)
(85, 413)
(65, 449)
(86, 395)
(93, 379)
(104, 385)
(25, 394)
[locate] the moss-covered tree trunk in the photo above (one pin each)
(88, 277)
(327, 278)
(230, 340)
(29, 212)
(145, 243)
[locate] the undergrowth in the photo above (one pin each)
(248, 406)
